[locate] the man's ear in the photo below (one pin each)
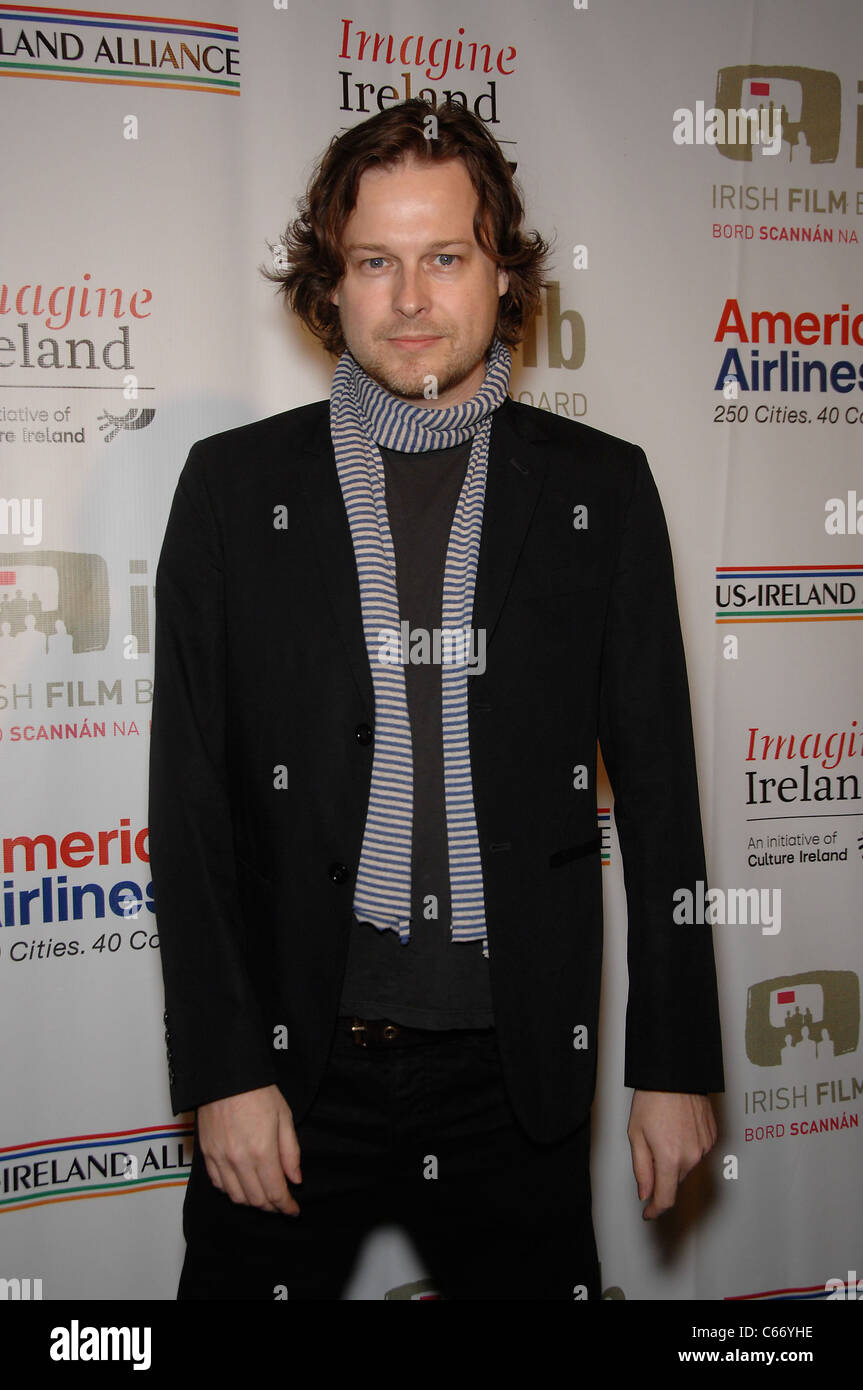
(334, 297)
(502, 281)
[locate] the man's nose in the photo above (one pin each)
(410, 295)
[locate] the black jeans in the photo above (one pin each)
(418, 1132)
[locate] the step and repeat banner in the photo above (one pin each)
(700, 170)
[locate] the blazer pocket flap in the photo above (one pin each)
(565, 856)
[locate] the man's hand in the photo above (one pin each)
(249, 1144)
(669, 1133)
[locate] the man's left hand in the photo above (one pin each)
(669, 1133)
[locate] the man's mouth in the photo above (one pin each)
(415, 342)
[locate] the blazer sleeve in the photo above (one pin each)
(673, 1040)
(216, 1041)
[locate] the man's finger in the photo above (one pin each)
(229, 1181)
(667, 1178)
(260, 1185)
(289, 1150)
(275, 1189)
(642, 1164)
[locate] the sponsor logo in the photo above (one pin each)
(53, 901)
(788, 593)
(802, 110)
(411, 59)
(808, 102)
(68, 45)
(803, 1018)
(802, 1025)
(134, 419)
(764, 368)
(83, 1166)
(52, 603)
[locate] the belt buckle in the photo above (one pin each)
(380, 1030)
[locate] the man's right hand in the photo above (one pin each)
(249, 1145)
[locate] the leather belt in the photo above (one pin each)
(383, 1032)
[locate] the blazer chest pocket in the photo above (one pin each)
(579, 851)
(560, 583)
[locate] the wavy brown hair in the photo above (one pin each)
(311, 261)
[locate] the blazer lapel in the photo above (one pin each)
(516, 471)
(333, 550)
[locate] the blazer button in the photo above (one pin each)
(339, 873)
(363, 734)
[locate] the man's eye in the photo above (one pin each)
(449, 257)
(374, 261)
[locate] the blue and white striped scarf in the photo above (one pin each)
(362, 416)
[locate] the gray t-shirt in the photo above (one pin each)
(432, 982)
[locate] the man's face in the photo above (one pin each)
(419, 297)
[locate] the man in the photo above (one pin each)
(390, 629)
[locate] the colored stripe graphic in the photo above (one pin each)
(107, 1186)
(813, 1291)
(105, 19)
(179, 84)
(603, 820)
(777, 571)
(92, 1141)
(132, 73)
(790, 614)
(126, 1186)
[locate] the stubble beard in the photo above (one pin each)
(410, 381)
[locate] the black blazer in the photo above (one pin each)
(261, 666)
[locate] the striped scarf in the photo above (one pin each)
(362, 416)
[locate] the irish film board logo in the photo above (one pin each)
(807, 103)
(52, 603)
(794, 1020)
